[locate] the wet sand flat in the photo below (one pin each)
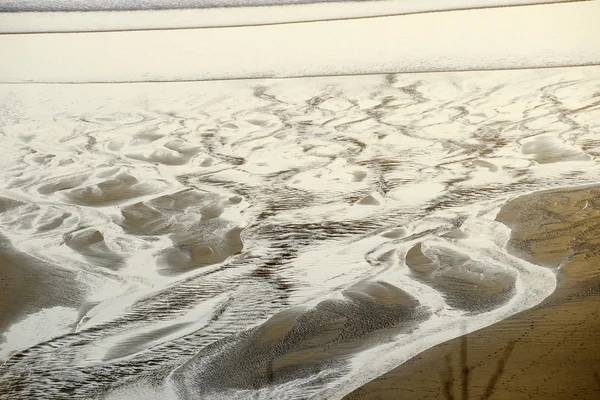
(291, 238)
(556, 353)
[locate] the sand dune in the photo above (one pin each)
(298, 342)
(193, 221)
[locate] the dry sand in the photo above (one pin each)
(557, 351)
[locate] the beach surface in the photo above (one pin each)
(296, 238)
(245, 202)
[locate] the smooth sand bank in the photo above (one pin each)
(557, 351)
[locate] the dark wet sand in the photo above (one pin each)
(557, 349)
(28, 285)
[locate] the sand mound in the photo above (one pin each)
(463, 282)
(300, 343)
(193, 220)
(91, 244)
(122, 186)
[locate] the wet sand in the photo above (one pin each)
(556, 352)
(281, 239)
(300, 343)
(29, 285)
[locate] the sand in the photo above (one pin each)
(557, 351)
(249, 239)
(29, 285)
(298, 343)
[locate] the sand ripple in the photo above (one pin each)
(282, 238)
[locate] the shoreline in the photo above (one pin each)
(335, 181)
(550, 338)
(540, 36)
(286, 78)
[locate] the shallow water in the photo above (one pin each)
(75, 16)
(270, 238)
(99, 5)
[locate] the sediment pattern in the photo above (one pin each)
(285, 238)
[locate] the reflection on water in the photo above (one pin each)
(266, 239)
